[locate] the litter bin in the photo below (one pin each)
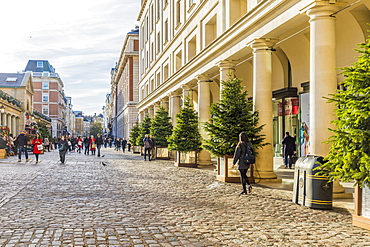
(310, 189)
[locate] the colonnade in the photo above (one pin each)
(10, 120)
(323, 81)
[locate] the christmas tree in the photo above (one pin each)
(134, 134)
(144, 130)
(161, 127)
(349, 155)
(230, 116)
(185, 135)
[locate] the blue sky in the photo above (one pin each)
(82, 39)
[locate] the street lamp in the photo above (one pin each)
(2, 108)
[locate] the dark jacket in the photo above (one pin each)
(239, 153)
(63, 146)
(87, 141)
(149, 140)
(153, 143)
(289, 145)
(99, 141)
(124, 143)
(22, 140)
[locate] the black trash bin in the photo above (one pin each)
(310, 189)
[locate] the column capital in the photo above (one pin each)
(226, 64)
(322, 9)
(262, 44)
(174, 94)
(188, 86)
(204, 78)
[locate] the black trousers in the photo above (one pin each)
(62, 155)
(288, 160)
(244, 178)
(147, 150)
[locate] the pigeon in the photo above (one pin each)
(103, 155)
(103, 164)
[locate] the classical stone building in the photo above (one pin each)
(16, 100)
(286, 52)
(124, 89)
(49, 97)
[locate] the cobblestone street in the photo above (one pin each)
(130, 202)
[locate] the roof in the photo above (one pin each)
(46, 66)
(13, 79)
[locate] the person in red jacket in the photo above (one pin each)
(79, 144)
(92, 144)
(38, 148)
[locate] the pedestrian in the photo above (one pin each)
(99, 143)
(2, 143)
(147, 146)
(22, 140)
(38, 148)
(110, 142)
(92, 144)
(124, 144)
(63, 148)
(240, 152)
(55, 141)
(129, 146)
(79, 144)
(87, 145)
(153, 146)
(12, 144)
(289, 150)
(47, 143)
(117, 144)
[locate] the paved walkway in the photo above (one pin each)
(130, 202)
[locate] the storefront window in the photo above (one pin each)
(285, 119)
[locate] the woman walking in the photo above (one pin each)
(92, 144)
(63, 148)
(47, 143)
(79, 144)
(38, 148)
(243, 166)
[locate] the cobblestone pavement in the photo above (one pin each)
(130, 202)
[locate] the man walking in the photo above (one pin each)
(22, 146)
(99, 143)
(87, 145)
(147, 146)
(289, 150)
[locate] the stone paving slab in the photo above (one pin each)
(130, 202)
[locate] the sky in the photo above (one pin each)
(82, 40)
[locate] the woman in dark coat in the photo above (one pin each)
(63, 148)
(240, 152)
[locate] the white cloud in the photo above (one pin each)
(82, 39)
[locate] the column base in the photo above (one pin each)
(342, 195)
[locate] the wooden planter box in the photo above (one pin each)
(162, 153)
(3, 154)
(226, 173)
(136, 149)
(361, 215)
(189, 159)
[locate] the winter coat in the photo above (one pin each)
(35, 143)
(239, 153)
(289, 145)
(22, 140)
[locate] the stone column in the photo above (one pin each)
(1, 118)
(4, 119)
(156, 107)
(226, 68)
(151, 111)
(323, 80)
(9, 121)
(187, 92)
(164, 103)
(262, 100)
(204, 102)
(174, 106)
(323, 76)
(13, 129)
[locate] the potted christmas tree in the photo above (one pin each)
(134, 134)
(161, 129)
(185, 138)
(349, 155)
(230, 116)
(144, 129)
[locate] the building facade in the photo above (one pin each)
(16, 100)
(285, 52)
(49, 97)
(124, 87)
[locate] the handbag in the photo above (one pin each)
(40, 147)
